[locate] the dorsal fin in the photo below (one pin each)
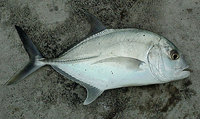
(92, 92)
(96, 25)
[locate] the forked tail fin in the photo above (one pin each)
(34, 58)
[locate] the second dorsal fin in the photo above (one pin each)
(96, 25)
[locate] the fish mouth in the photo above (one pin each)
(188, 69)
(184, 73)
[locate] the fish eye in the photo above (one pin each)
(174, 54)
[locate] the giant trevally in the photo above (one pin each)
(111, 58)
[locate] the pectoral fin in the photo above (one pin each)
(128, 62)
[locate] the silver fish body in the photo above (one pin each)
(111, 58)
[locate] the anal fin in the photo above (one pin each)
(92, 92)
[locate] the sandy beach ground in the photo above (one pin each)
(56, 25)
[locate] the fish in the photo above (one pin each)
(110, 58)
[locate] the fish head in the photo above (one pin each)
(166, 62)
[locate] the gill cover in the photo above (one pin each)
(155, 62)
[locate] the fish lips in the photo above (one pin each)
(184, 73)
